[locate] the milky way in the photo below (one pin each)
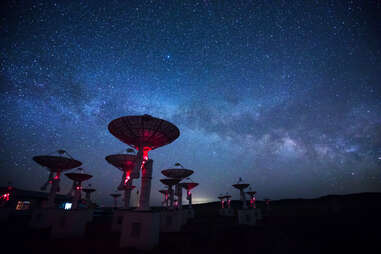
(285, 94)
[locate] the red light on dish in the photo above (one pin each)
(5, 196)
(127, 177)
(146, 149)
(145, 157)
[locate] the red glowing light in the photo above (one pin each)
(252, 201)
(145, 153)
(146, 149)
(145, 158)
(78, 188)
(188, 193)
(57, 176)
(5, 196)
(127, 177)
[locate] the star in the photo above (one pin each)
(286, 97)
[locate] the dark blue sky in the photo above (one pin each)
(285, 94)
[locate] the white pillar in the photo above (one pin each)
(243, 199)
(145, 188)
(171, 196)
(77, 195)
(253, 202)
(139, 161)
(53, 191)
(179, 194)
(88, 199)
(127, 194)
(189, 197)
(164, 203)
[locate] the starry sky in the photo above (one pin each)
(285, 94)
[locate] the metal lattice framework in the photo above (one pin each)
(143, 131)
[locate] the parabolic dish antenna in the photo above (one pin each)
(144, 131)
(241, 186)
(57, 163)
(170, 181)
(80, 177)
(124, 162)
(189, 186)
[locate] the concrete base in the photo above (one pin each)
(140, 230)
(117, 219)
(226, 212)
(72, 223)
(171, 221)
(4, 214)
(247, 217)
(44, 217)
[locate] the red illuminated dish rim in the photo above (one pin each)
(143, 131)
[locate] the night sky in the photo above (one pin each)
(285, 94)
